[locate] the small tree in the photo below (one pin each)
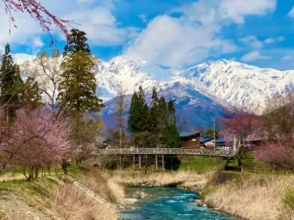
(38, 140)
(46, 71)
(31, 98)
(277, 125)
(172, 136)
(120, 114)
(83, 136)
(239, 126)
(138, 113)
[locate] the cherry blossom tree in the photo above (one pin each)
(278, 133)
(239, 126)
(45, 18)
(38, 139)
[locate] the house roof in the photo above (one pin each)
(189, 134)
(220, 140)
(206, 138)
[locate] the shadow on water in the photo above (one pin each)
(169, 203)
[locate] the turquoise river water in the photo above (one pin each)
(163, 203)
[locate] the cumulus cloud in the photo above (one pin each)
(253, 56)
(25, 32)
(173, 42)
(237, 10)
(196, 32)
(101, 26)
(252, 41)
(94, 18)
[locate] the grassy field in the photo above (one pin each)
(201, 164)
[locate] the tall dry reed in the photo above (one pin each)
(252, 197)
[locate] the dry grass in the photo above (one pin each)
(72, 203)
(116, 191)
(185, 179)
(253, 197)
(104, 186)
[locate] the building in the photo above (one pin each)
(205, 139)
(190, 140)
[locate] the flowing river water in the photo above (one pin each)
(163, 203)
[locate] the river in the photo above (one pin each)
(166, 203)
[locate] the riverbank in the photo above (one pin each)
(251, 196)
(244, 195)
(100, 194)
(182, 179)
(83, 196)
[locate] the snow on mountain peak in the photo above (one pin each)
(227, 82)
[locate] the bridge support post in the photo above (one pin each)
(120, 162)
(156, 162)
(140, 164)
(134, 161)
(162, 161)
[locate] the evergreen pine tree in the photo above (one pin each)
(172, 136)
(77, 42)
(154, 116)
(133, 114)
(31, 97)
(11, 85)
(138, 113)
(162, 115)
(78, 84)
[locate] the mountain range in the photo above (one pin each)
(201, 93)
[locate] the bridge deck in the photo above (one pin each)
(165, 151)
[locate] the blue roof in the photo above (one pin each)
(206, 138)
(189, 133)
(221, 140)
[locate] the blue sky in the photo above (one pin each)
(170, 33)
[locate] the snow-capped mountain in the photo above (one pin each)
(200, 92)
(228, 83)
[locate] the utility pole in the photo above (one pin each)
(214, 136)
(120, 160)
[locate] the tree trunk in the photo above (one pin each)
(64, 166)
(31, 174)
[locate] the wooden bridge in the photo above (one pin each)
(166, 151)
(161, 152)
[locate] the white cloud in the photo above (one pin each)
(274, 40)
(174, 42)
(196, 34)
(237, 10)
(291, 13)
(38, 42)
(252, 41)
(95, 18)
(254, 55)
(101, 26)
(25, 32)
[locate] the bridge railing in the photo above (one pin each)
(165, 151)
